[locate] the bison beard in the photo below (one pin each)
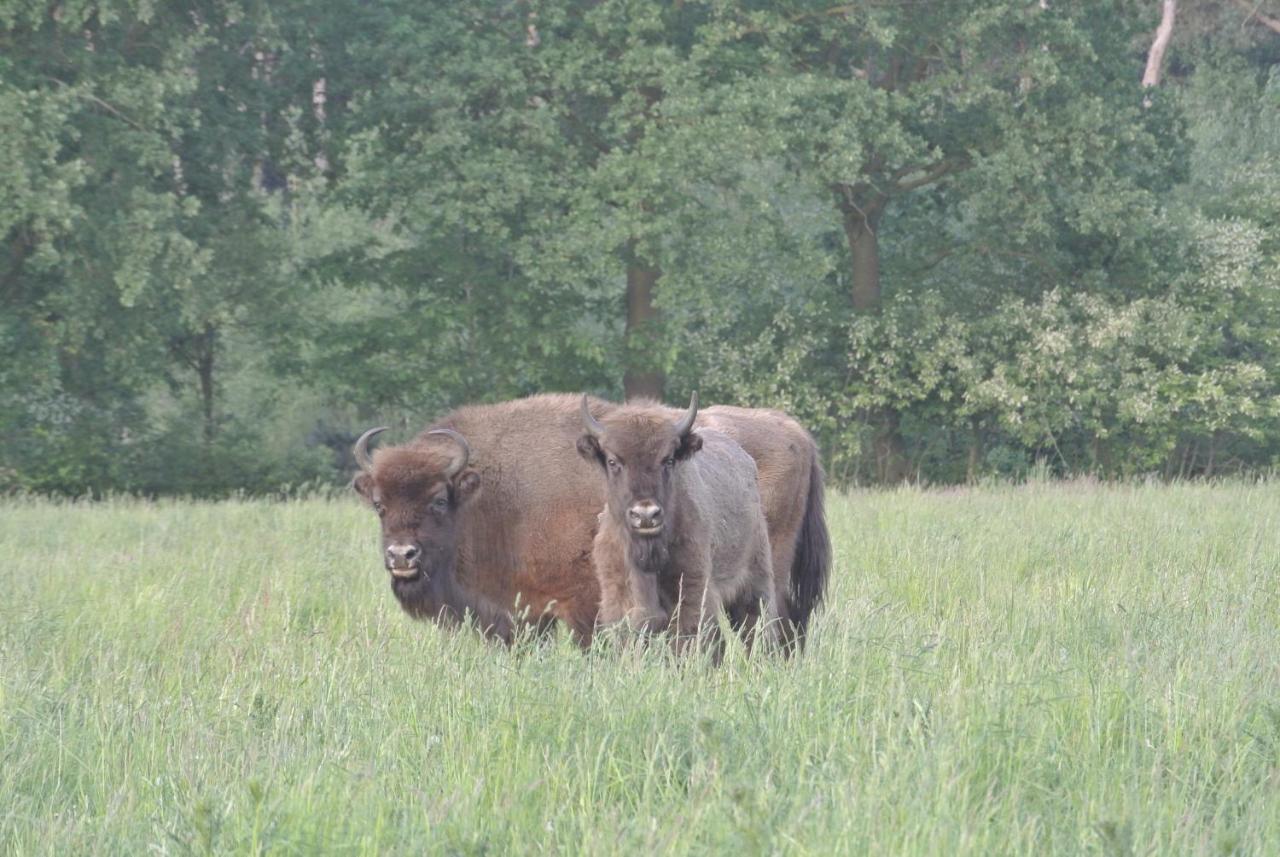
(434, 594)
(648, 554)
(422, 597)
(430, 595)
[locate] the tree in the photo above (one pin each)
(887, 104)
(536, 166)
(140, 223)
(952, 238)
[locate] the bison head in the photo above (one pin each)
(417, 491)
(638, 449)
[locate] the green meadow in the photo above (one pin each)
(1047, 668)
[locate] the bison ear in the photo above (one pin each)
(363, 484)
(689, 444)
(466, 486)
(589, 448)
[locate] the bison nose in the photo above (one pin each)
(402, 556)
(645, 516)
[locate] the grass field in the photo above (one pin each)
(1040, 669)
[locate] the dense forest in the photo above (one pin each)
(958, 240)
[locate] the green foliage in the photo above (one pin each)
(236, 234)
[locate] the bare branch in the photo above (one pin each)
(927, 175)
(98, 101)
(1155, 59)
(1267, 21)
(833, 12)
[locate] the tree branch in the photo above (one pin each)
(1155, 58)
(1270, 23)
(833, 12)
(98, 101)
(928, 175)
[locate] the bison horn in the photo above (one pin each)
(592, 424)
(361, 449)
(460, 461)
(686, 422)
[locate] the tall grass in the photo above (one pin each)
(1044, 669)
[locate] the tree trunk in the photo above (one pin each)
(861, 212)
(890, 449)
(973, 461)
(319, 98)
(1164, 33)
(204, 369)
(860, 224)
(643, 378)
(20, 247)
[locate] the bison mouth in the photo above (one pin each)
(647, 531)
(405, 573)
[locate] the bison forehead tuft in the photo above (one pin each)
(642, 431)
(406, 470)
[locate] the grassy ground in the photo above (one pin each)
(1044, 669)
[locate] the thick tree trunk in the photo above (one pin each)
(861, 214)
(860, 225)
(643, 378)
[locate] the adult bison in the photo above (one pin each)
(492, 510)
(682, 535)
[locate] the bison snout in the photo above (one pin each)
(645, 517)
(403, 558)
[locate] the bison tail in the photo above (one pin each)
(812, 560)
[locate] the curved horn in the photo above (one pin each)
(461, 461)
(686, 422)
(361, 449)
(592, 424)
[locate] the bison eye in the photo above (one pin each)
(379, 508)
(440, 504)
(669, 462)
(613, 464)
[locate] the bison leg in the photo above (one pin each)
(754, 616)
(646, 614)
(755, 610)
(745, 617)
(696, 613)
(765, 594)
(742, 613)
(612, 574)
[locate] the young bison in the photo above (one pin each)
(682, 535)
